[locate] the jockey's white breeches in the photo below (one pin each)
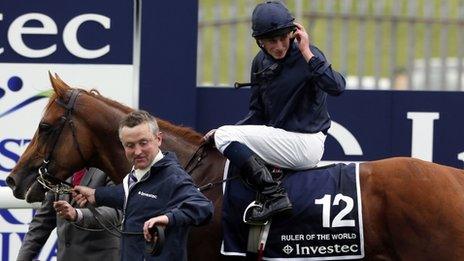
(276, 146)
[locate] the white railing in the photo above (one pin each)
(410, 44)
(7, 200)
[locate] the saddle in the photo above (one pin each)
(277, 175)
(326, 216)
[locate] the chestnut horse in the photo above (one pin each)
(412, 209)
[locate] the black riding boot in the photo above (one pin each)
(275, 201)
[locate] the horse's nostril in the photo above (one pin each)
(11, 182)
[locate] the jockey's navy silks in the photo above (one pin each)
(294, 97)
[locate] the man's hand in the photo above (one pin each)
(156, 221)
(65, 210)
(83, 194)
(302, 39)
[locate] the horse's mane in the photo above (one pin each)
(96, 94)
(184, 132)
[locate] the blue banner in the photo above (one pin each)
(66, 31)
(367, 125)
(89, 44)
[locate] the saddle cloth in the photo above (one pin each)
(326, 223)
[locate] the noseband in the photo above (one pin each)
(58, 186)
(45, 178)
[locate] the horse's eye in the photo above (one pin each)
(44, 127)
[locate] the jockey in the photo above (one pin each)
(288, 119)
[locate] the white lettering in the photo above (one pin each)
(343, 236)
(141, 193)
(422, 134)
(322, 250)
(313, 249)
(337, 222)
(345, 249)
(354, 248)
(346, 139)
(292, 237)
(17, 29)
(325, 202)
(330, 249)
(461, 156)
(310, 236)
(1, 18)
(72, 43)
(305, 250)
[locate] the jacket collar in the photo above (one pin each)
(168, 158)
(139, 173)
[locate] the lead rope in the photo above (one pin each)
(152, 248)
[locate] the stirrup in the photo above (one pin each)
(249, 210)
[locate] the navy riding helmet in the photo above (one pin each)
(270, 19)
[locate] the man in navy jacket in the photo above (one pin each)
(157, 192)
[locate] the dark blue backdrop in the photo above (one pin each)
(168, 86)
(168, 59)
(377, 119)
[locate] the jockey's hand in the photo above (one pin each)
(209, 137)
(302, 39)
(83, 195)
(156, 221)
(65, 210)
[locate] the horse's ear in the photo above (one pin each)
(59, 86)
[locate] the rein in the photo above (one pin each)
(60, 187)
(195, 162)
(45, 178)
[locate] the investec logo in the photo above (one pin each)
(79, 49)
(23, 85)
(20, 109)
(311, 250)
(18, 29)
(80, 62)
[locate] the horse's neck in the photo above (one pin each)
(183, 148)
(210, 169)
(109, 151)
(109, 154)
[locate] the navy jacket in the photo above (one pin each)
(167, 189)
(290, 93)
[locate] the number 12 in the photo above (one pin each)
(337, 221)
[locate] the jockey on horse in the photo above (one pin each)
(288, 119)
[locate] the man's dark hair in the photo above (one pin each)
(136, 118)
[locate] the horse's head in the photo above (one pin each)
(80, 129)
(59, 146)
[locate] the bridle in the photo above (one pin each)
(45, 178)
(59, 186)
(196, 160)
